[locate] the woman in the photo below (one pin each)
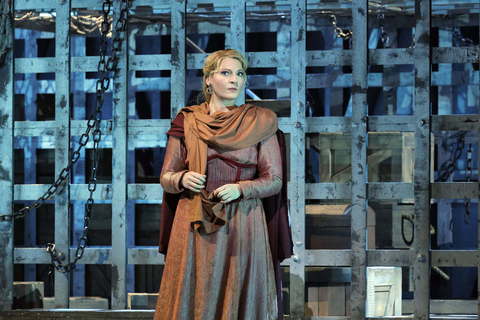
(220, 161)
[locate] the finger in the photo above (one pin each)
(196, 185)
(197, 181)
(197, 190)
(217, 191)
(199, 176)
(223, 194)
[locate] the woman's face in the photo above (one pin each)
(227, 82)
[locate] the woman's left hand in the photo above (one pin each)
(228, 192)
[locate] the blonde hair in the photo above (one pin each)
(213, 62)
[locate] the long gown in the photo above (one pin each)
(228, 274)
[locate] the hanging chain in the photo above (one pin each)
(105, 67)
(5, 31)
(384, 35)
(338, 31)
(453, 162)
(458, 35)
(468, 176)
(413, 41)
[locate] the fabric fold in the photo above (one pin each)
(241, 127)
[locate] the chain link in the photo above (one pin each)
(338, 31)
(458, 35)
(452, 163)
(413, 42)
(105, 67)
(5, 31)
(384, 35)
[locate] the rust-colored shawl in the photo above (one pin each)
(240, 128)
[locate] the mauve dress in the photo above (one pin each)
(228, 274)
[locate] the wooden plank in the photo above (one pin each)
(312, 303)
(336, 299)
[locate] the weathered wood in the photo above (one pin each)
(28, 295)
(78, 314)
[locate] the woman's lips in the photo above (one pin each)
(232, 89)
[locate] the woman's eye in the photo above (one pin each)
(240, 74)
(225, 73)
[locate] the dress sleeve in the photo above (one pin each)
(174, 166)
(269, 165)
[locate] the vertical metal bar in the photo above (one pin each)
(478, 207)
(130, 285)
(62, 143)
(178, 56)
(359, 158)
(238, 29)
(31, 143)
(78, 171)
(297, 177)
(6, 161)
(421, 178)
(119, 173)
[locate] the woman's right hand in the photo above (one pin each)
(193, 181)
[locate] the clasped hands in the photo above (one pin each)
(195, 182)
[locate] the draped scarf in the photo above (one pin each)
(242, 127)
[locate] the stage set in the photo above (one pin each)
(379, 103)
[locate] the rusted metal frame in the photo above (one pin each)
(40, 4)
(268, 59)
(178, 57)
(478, 203)
(7, 167)
(97, 255)
(335, 80)
(145, 192)
(454, 258)
(328, 258)
(422, 61)
(455, 55)
(359, 160)
(31, 256)
(149, 62)
(76, 314)
(454, 190)
(145, 256)
(392, 56)
(119, 175)
(383, 190)
(391, 258)
(408, 123)
(297, 156)
(62, 143)
(47, 128)
(237, 27)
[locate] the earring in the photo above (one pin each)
(209, 89)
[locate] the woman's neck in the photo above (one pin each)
(219, 105)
